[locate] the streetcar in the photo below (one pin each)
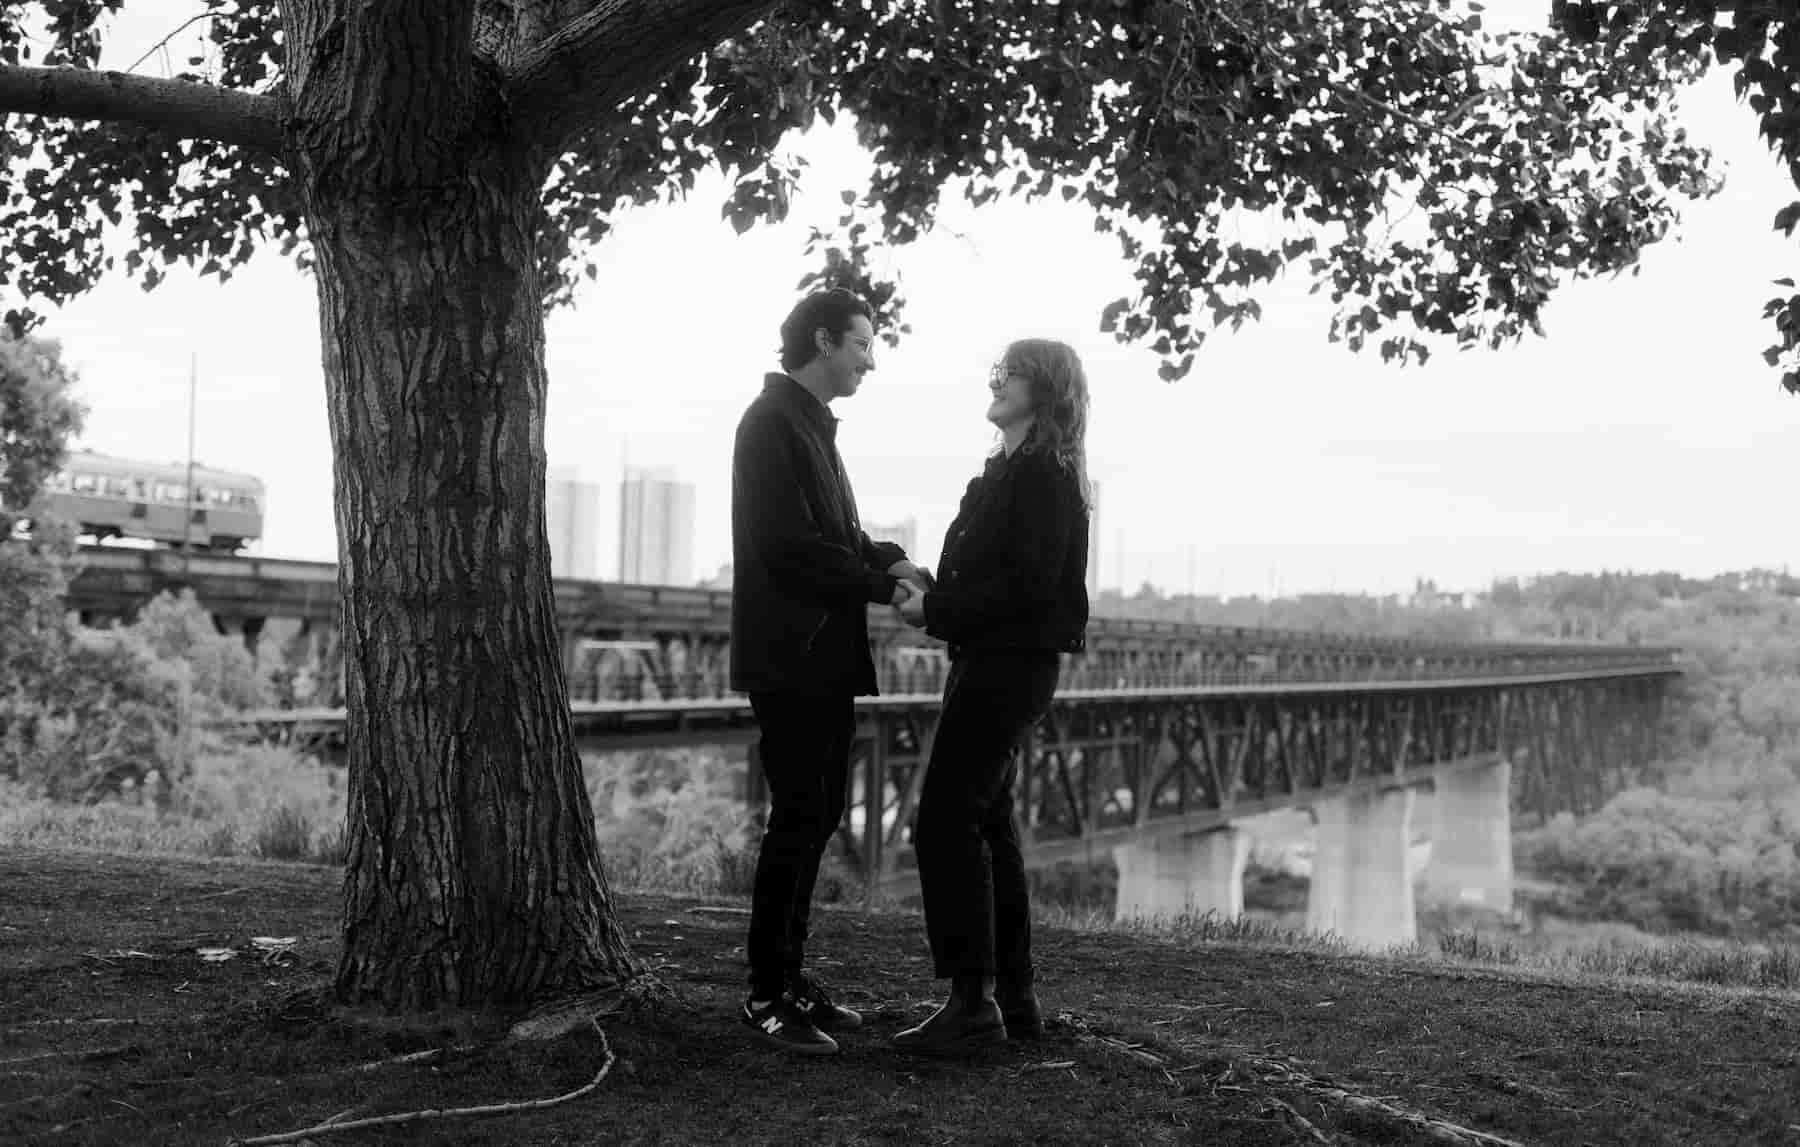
(108, 497)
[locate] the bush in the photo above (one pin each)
(670, 819)
(222, 673)
(332, 847)
(1718, 853)
(222, 841)
(734, 868)
(123, 710)
(284, 835)
(112, 723)
(250, 784)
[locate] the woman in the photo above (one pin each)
(1010, 597)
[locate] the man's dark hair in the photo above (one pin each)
(832, 310)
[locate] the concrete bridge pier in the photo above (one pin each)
(1362, 887)
(1193, 874)
(1471, 844)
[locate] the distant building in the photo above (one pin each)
(656, 528)
(904, 533)
(572, 519)
(1427, 595)
(1093, 565)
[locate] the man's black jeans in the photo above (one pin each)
(971, 870)
(806, 761)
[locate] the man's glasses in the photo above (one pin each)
(1000, 372)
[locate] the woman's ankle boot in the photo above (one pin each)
(967, 1021)
(1019, 1007)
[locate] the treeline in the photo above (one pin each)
(1607, 606)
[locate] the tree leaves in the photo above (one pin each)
(38, 416)
(1184, 117)
(1787, 217)
(1440, 182)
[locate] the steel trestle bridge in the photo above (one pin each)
(1160, 730)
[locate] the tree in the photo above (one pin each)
(1763, 40)
(444, 167)
(38, 415)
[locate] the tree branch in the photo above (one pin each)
(187, 110)
(611, 51)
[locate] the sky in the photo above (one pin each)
(1643, 433)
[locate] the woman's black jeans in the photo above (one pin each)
(971, 869)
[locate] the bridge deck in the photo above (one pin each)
(737, 704)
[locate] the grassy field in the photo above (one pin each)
(116, 1029)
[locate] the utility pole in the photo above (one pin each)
(187, 524)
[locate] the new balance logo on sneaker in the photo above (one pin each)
(781, 1024)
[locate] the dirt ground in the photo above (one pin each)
(114, 1029)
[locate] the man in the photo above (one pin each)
(803, 576)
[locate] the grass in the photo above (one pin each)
(278, 833)
(726, 868)
(117, 1031)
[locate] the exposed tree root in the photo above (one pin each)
(1275, 1071)
(337, 1123)
(1304, 1123)
(1271, 1072)
(75, 1053)
(641, 997)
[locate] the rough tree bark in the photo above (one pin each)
(473, 874)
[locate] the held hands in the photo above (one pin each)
(918, 575)
(911, 608)
(909, 592)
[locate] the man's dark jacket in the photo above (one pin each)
(1014, 570)
(802, 571)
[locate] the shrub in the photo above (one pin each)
(665, 817)
(113, 721)
(284, 834)
(734, 868)
(1718, 853)
(177, 628)
(249, 784)
(117, 710)
(332, 847)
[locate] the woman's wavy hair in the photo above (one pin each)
(1059, 398)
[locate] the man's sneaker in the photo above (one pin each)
(779, 1023)
(816, 1005)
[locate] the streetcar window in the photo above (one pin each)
(84, 483)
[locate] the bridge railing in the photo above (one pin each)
(1085, 676)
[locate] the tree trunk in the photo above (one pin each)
(474, 877)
